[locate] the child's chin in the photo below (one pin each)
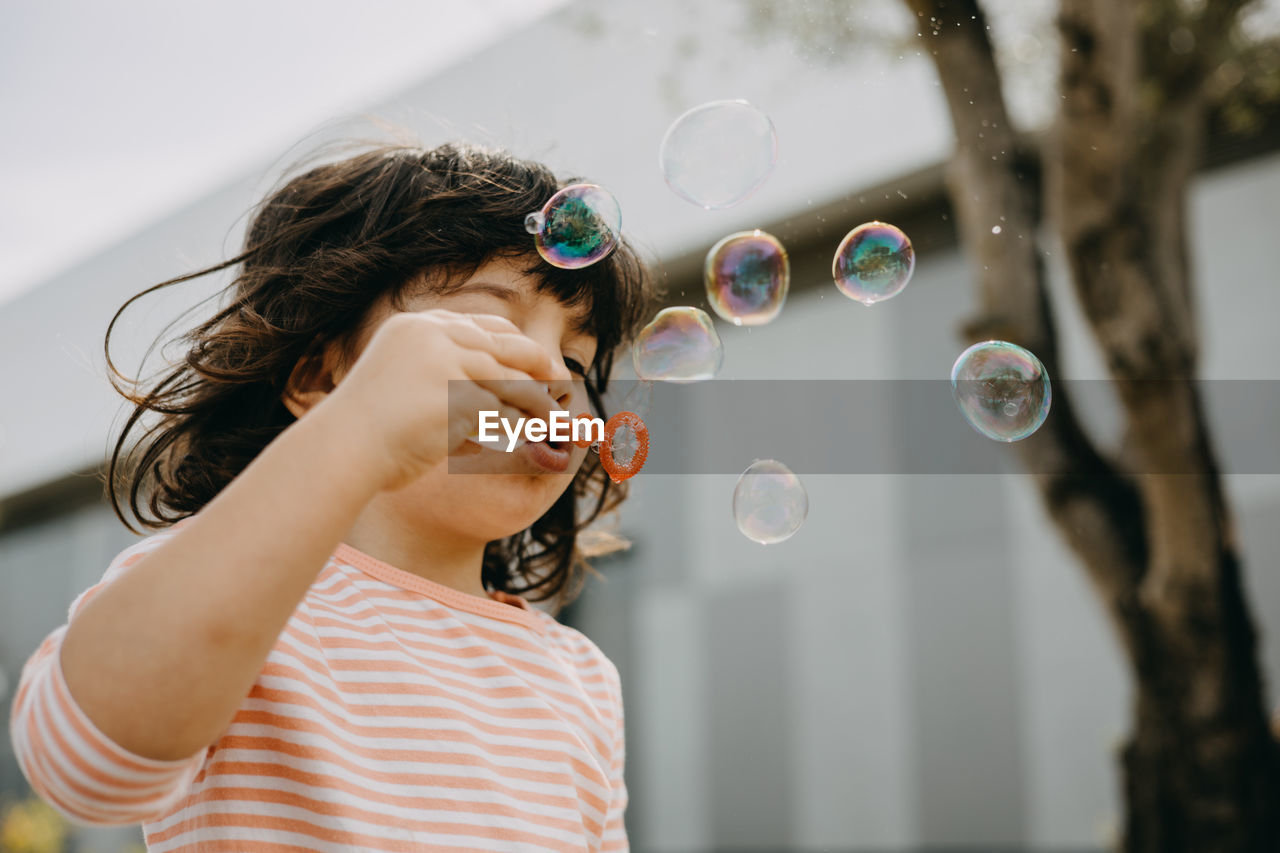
(491, 494)
(501, 526)
(504, 505)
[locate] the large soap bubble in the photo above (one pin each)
(579, 225)
(1002, 390)
(678, 345)
(719, 153)
(873, 263)
(747, 275)
(769, 502)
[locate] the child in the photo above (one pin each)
(333, 647)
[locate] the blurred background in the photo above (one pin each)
(924, 664)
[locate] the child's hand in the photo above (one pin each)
(398, 395)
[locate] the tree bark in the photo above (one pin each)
(1152, 528)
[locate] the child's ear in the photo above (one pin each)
(314, 376)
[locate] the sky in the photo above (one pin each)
(116, 113)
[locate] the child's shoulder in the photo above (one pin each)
(577, 646)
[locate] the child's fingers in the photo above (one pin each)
(503, 340)
(494, 321)
(528, 396)
(466, 421)
(514, 387)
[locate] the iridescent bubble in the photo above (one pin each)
(873, 263)
(769, 502)
(719, 153)
(678, 345)
(1001, 389)
(577, 226)
(747, 275)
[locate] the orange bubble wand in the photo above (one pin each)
(618, 471)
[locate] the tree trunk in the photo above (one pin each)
(1153, 530)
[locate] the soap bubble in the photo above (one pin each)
(769, 502)
(873, 263)
(747, 275)
(1001, 389)
(679, 345)
(577, 226)
(719, 153)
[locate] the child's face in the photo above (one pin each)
(486, 493)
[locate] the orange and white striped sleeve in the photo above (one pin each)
(70, 763)
(615, 830)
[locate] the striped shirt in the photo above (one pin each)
(393, 713)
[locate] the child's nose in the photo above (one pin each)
(561, 390)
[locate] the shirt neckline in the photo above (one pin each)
(501, 605)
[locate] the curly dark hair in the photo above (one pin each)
(320, 250)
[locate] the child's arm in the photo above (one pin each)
(114, 710)
(160, 658)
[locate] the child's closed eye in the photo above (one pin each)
(575, 366)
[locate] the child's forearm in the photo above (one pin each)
(161, 658)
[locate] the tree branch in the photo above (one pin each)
(1128, 146)
(1202, 771)
(995, 181)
